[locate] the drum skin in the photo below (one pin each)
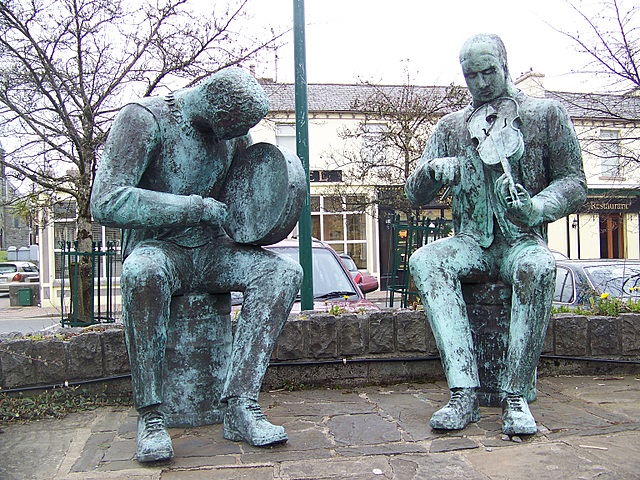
(264, 193)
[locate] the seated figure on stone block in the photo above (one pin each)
(513, 164)
(164, 165)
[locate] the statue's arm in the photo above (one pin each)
(567, 189)
(426, 181)
(116, 199)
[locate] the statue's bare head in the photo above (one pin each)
(483, 59)
(228, 102)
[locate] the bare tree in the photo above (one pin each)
(608, 31)
(66, 66)
(383, 148)
(610, 35)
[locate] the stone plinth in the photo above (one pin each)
(489, 310)
(198, 350)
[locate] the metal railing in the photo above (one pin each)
(408, 236)
(92, 295)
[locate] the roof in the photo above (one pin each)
(332, 97)
(598, 105)
(343, 98)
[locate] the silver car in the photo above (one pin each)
(579, 280)
(17, 272)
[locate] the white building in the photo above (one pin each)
(607, 226)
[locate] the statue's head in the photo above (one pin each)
(228, 102)
(483, 59)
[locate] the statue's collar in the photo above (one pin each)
(176, 114)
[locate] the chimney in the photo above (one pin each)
(531, 83)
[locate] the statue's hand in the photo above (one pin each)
(524, 210)
(214, 212)
(444, 170)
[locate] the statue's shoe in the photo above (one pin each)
(154, 442)
(516, 416)
(461, 410)
(244, 421)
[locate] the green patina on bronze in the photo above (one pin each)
(167, 180)
(513, 164)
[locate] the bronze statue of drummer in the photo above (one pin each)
(164, 165)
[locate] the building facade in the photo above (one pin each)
(353, 217)
(608, 127)
(15, 231)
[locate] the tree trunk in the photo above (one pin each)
(83, 296)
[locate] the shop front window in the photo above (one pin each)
(315, 226)
(333, 228)
(333, 204)
(340, 222)
(358, 252)
(356, 226)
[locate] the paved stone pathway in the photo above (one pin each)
(588, 428)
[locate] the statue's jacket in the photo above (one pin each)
(550, 170)
(155, 172)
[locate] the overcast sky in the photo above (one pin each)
(373, 40)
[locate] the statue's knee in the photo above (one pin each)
(420, 261)
(141, 272)
(297, 272)
(536, 267)
(414, 261)
(292, 273)
(127, 275)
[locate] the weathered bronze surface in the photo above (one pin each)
(160, 179)
(513, 164)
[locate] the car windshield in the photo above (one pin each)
(329, 279)
(8, 268)
(617, 280)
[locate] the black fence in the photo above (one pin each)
(88, 277)
(408, 236)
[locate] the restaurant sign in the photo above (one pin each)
(611, 204)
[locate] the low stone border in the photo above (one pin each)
(392, 345)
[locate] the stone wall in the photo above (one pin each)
(319, 349)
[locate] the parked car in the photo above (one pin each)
(559, 255)
(16, 272)
(333, 285)
(366, 281)
(579, 280)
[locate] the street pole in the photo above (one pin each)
(302, 148)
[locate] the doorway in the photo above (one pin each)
(611, 236)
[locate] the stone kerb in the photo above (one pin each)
(392, 345)
(77, 355)
(348, 336)
(590, 336)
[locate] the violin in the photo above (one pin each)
(494, 131)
